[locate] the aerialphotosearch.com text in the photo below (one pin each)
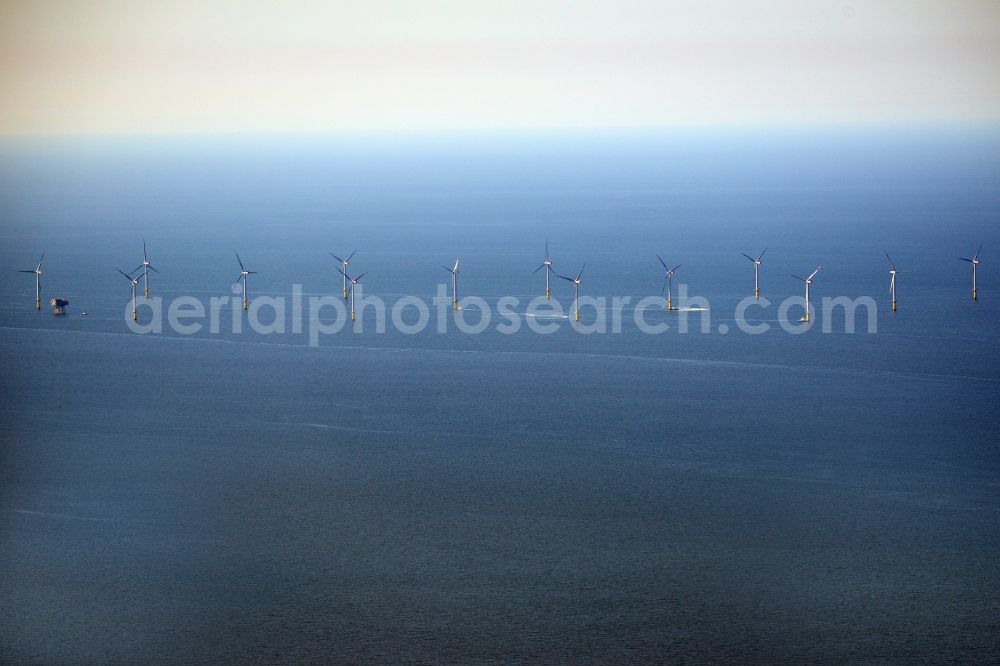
(319, 316)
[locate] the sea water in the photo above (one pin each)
(440, 496)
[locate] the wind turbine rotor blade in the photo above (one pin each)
(336, 257)
(539, 268)
(358, 279)
(124, 274)
(456, 266)
(28, 272)
(797, 277)
(761, 254)
(581, 272)
(748, 256)
(251, 272)
(814, 272)
(144, 259)
(152, 269)
(351, 255)
(568, 279)
(448, 269)
(238, 280)
(964, 259)
(675, 268)
(341, 271)
(136, 268)
(978, 251)
(242, 268)
(546, 249)
(661, 262)
(891, 265)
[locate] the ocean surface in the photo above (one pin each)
(442, 496)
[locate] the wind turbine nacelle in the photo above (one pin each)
(58, 302)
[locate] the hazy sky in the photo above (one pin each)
(145, 66)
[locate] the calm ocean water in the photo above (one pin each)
(444, 497)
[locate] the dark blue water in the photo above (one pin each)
(444, 497)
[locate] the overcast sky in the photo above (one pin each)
(68, 66)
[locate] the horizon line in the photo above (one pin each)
(992, 124)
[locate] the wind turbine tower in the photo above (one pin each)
(343, 271)
(454, 284)
(146, 267)
(547, 265)
(756, 266)
(892, 280)
(243, 277)
(577, 281)
(668, 282)
(806, 317)
(134, 280)
(975, 261)
(38, 282)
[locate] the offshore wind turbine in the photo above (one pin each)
(892, 280)
(134, 279)
(756, 266)
(243, 276)
(668, 282)
(345, 263)
(146, 267)
(454, 284)
(353, 283)
(975, 261)
(576, 291)
(547, 265)
(38, 282)
(808, 281)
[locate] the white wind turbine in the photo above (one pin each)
(243, 277)
(146, 267)
(350, 290)
(808, 282)
(756, 266)
(134, 280)
(547, 265)
(343, 271)
(892, 280)
(975, 261)
(668, 282)
(454, 285)
(577, 281)
(37, 271)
